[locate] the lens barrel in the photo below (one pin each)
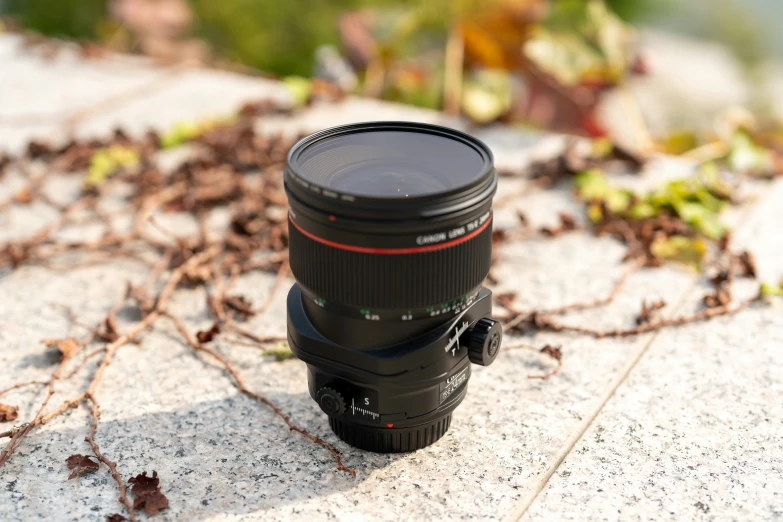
(390, 236)
(368, 256)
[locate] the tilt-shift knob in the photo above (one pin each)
(330, 401)
(483, 341)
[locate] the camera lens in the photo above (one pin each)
(388, 221)
(390, 228)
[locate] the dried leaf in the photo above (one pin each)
(567, 224)
(144, 484)
(719, 298)
(80, 464)
(23, 196)
(144, 302)
(8, 413)
(152, 502)
(116, 517)
(554, 352)
(647, 313)
(722, 277)
(110, 333)
(147, 494)
(240, 305)
(747, 264)
(66, 347)
(206, 336)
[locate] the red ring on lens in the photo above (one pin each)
(392, 251)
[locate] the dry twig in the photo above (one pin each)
(521, 317)
(239, 383)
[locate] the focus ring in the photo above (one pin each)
(390, 281)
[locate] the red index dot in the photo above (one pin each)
(390, 425)
(332, 218)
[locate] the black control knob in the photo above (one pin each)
(330, 401)
(483, 341)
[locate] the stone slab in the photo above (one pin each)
(38, 93)
(222, 457)
(696, 431)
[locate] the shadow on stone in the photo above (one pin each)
(231, 456)
(47, 359)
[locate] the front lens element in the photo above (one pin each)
(390, 164)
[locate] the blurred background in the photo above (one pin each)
(546, 64)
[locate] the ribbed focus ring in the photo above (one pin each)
(390, 281)
(390, 440)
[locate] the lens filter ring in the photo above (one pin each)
(365, 169)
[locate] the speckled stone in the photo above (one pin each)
(696, 431)
(222, 456)
(37, 94)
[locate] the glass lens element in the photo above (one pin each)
(390, 164)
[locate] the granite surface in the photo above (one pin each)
(222, 456)
(696, 431)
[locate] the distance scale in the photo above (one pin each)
(450, 308)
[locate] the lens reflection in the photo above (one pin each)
(391, 164)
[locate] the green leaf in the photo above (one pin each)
(580, 42)
(486, 95)
(679, 142)
(180, 133)
(601, 147)
(690, 251)
(695, 200)
(712, 181)
(746, 156)
(105, 162)
(593, 185)
(594, 213)
(299, 88)
(280, 352)
(185, 131)
(643, 210)
(701, 218)
(771, 289)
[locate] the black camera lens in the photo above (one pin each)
(390, 235)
